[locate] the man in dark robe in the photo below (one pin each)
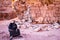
(13, 30)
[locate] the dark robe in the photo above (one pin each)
(13, 30)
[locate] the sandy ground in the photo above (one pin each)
(28, 34)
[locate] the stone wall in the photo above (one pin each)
(6, 11)
(40, 11)
(45, 13)
(20, 7)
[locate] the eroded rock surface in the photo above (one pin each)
(6, 11)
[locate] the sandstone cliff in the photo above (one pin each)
(44, 11)
(41, 11)
(6, 11)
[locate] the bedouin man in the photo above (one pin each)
(13, 30)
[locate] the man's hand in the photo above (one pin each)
(10, 30)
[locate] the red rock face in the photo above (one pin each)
(6, 11)
(45, 14)
(20, 7)
(45, 11)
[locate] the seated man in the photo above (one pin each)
(13, 30)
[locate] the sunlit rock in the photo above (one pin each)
(56, 25)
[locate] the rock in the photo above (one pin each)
(38, 29)
(6, 11)
(56, 25)
(45, 28)
(23, 27)
(44, 14)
